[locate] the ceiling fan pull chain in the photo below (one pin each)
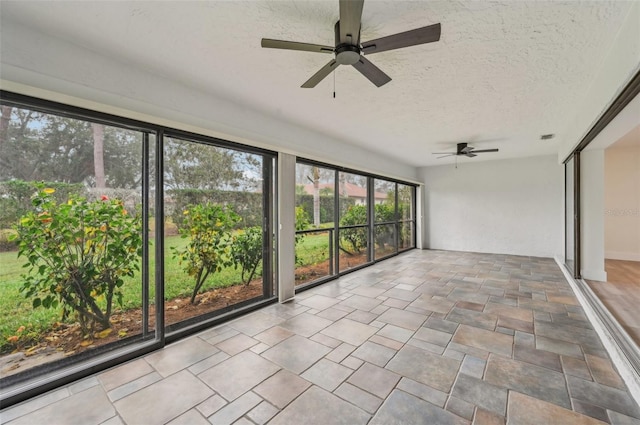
(334, 83)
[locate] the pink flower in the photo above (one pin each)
(104, 198)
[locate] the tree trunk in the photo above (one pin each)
(316, 196)
(98, 154)
(4, 124)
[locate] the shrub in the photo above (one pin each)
(78, 253)
(302, 219)
(353, 240)
(208, 227)
(384, 234)
(246, 252)
(247, 205)
(15, 197)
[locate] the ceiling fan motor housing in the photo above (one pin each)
(348, 49)
(347, 54)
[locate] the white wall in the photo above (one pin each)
(622, 203)
(510, 206)
(50, 68)
(592, 215)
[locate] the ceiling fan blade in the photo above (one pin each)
(372, 72)
(350, 16)
(467, 149)
(485, 150)
(470, 155)
(414, 37)
(294, 45)
(443, 153)
(451, 154)
(320, 75)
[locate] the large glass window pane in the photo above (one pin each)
(406, 237)
(385, 240)
(386, 217)
(569, 216)
(406, 202)
(71, 239)
(354, 219)
(315, 218)
(214, 230)
(385, 201)
(375, 219)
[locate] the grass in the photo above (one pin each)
(16, 311)
(313, 248)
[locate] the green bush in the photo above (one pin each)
(208, 227)
(246, 252)
(247, 205)
(15, 197)
(354, 240)
(384, 234)
(78, 253)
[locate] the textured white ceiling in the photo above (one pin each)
(502, 74)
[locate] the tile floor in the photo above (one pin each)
(428, 337)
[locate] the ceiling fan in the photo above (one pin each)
(349, 51)
(463, 149)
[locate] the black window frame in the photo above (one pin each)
(41, 379)
(370, 224)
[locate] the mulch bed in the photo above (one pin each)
(65, 340)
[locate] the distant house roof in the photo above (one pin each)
(350, 189)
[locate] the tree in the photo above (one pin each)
(98, 154)
(190, 165)
(5, 119)
(78, 253)
(22, 145)
(353, 239)
(208, 228)
(247, 252)
(42, 147)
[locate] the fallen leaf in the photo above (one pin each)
(103, 334)
(86, 343)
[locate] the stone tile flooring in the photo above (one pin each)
(427, 337)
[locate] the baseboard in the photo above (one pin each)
(622, 255)
(599, 275)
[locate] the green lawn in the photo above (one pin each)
(16, 311)
(313, 248)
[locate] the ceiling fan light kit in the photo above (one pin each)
(349, 51)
